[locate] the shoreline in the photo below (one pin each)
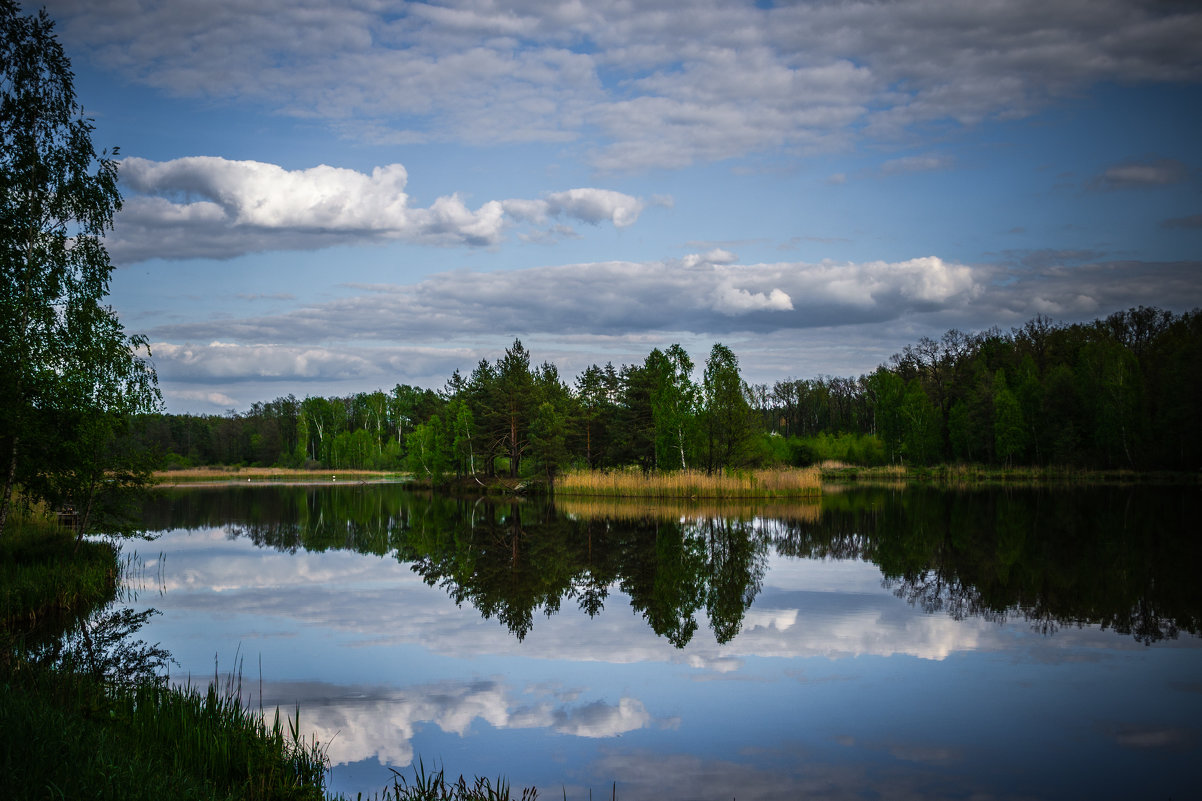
(636, 485)
(86, 728)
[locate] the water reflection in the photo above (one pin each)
(1121, 558)
(102, 645)
(692, 652)
(374, 721)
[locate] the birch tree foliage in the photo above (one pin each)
(68, 372)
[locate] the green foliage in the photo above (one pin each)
(1118, 393)
(728, 425)
(44, 575)
(920, 425)
(858, 449)
(429, 451)
(547, 449)
(63, 734)
(674, 400)
(69, 376)
(1009, 430)
(887, 389)
(597, 391)
(463, 437)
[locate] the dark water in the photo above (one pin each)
(886, 643)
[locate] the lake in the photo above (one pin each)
(884, 643)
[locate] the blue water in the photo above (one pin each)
(834, 686)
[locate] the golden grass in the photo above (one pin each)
(594, 507)
(777, 483)
(225, 474)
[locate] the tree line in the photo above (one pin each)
(509, 417)
(1119, 392)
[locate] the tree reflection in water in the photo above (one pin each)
(102, 645)
(1119, 557)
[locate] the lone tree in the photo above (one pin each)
(70, 378)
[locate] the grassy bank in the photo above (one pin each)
(776, 483)
(67, 735)
(234, 474)
(70, 729)
(956, 476)
(44, 578)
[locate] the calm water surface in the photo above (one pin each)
(886, 643)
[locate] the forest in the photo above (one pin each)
(1121, 392)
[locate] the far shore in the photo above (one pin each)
(226, 475)
(830, 475)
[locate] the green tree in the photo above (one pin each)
(596, 394)
(970, 419)
(634, 425)
(62, 352)
(463, 432)
(920, 420)
(888, 391)
(673, 406)
(547, 447)
(1009, 430)
(727, 414)
(92, 466)
(1108, 373)
(509, 404)
(323, 420)
(429, 450)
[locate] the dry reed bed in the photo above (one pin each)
(779, 483)
(195, 474)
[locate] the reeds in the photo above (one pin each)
(435, 787)
(775, 483)
(962, 475)
(193, 475)
(43, 574)
(86, 738)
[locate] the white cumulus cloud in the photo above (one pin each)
(206, 206)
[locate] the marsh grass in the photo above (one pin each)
(960, 475)
(436, 787)
(775, 483)
(592, 507)
(836, 474)
(44, 576)
(200, 475)
(66, 735)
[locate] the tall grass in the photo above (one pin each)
(774, 483)
(44, 576)
(436, 787)
(966, 475)
(193, 475)
(65, 735)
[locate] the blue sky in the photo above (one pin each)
(331, 198)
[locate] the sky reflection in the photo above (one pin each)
(833, 687)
